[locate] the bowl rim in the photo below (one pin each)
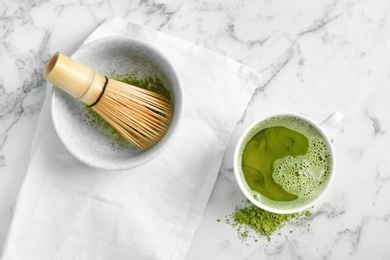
(239, 180)
(149, 154)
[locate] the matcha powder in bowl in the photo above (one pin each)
(253, 222)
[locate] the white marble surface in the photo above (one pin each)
(315, 57)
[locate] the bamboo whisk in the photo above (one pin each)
(141, 116)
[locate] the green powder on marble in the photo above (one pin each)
(150, 83)
(254, 222)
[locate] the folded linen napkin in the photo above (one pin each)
(67, 210)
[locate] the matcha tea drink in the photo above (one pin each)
(285, 162)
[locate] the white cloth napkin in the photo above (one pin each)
(67, 210)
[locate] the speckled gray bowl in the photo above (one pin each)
(123, 56)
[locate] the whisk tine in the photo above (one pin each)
(140, 118)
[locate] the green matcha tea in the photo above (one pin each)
(285, 161)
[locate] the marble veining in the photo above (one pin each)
(315, 57)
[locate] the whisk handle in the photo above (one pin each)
(76, 79)
(69, 75)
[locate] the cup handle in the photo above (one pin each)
(331, 120)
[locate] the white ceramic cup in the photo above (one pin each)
(284, 207)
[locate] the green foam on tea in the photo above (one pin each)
(260, 154)
(285, 162)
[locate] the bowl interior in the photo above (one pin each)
(87, 141)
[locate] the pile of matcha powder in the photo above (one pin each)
(251, 221)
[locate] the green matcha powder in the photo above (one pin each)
(254, 222)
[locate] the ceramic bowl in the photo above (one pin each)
(121, 56)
